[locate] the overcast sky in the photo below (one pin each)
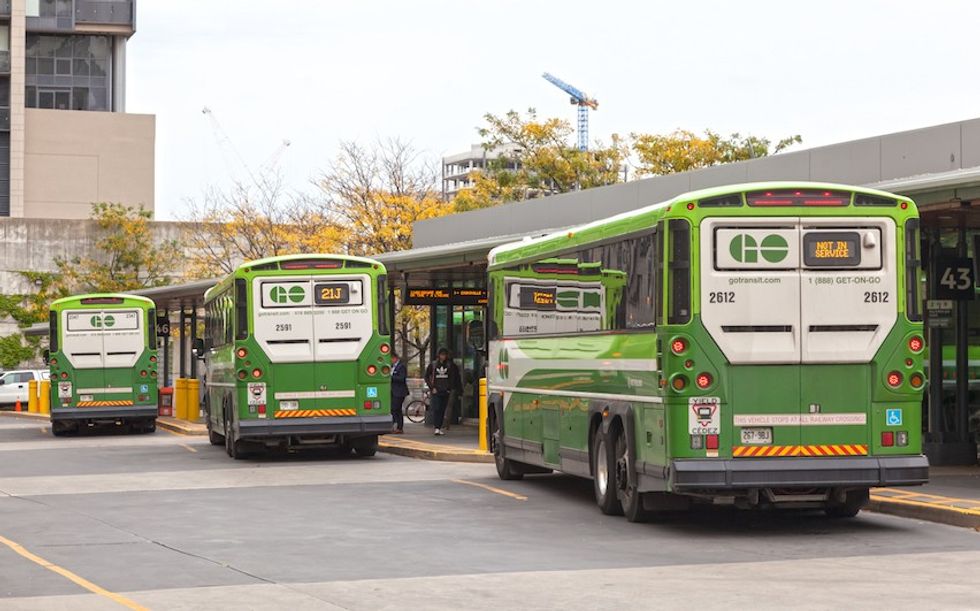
(319, 71)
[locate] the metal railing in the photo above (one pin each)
(104, 11)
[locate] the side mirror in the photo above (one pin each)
(197, 347)
(46, 355)
(3, 381)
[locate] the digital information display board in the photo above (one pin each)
(538, 298)
(444, 296)
(832, 249)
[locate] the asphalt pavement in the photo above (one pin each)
(164, 521)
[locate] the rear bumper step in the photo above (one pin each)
(103, 413)
(858, 471)
(342, 425)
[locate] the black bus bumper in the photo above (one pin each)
(349, 426)
(851, 471)
(103, 413)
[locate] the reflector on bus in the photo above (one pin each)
(311, 264)
(790, 198)
(101, 300)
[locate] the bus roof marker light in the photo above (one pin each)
(690, 206)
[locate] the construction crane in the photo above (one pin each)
(225, 143)
(584, 103)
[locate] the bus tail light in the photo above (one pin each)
(261, 409)
(916, 344)
(678, 345)
(678, 382)
(372, 405)
(887, 439)
(697, 442)
(256, 373)
(385, 348)
(916, 380)
(143, 373)
(894, 379)
(242, 374)
(385, 370)
(242, 353)
(902, 439)
(53, 362)
(711, 442)
(372, 369)
(703, 380)
(153, 374)
(153, 359)
(64, 375)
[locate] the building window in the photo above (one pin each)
(68, 72)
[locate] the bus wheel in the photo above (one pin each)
(366, 447)
(854, 501)
(216, 439)
(629, 497)
(604, 475)
(149, 425)
(506, 469)
(233, 447)
(59, 429)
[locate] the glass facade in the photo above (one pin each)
(68, 72)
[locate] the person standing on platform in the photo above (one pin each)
(442, 378)
(399, 390)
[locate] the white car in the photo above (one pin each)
(13, 384)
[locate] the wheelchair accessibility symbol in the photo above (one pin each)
(372, 392)
(893, 417)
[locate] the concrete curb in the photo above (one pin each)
(930, 513)
(427, 451)
(26, 415)
(179, 426)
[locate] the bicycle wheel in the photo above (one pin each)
(415, 411)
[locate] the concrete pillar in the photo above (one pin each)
(118, 74)
(18, 49)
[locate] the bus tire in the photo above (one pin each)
(149, 425)
(233, 447)
(854, 501)
(604, 475)
(216, 439)
(366, 447)
(506, 469)
(59, 429)
(629, 497)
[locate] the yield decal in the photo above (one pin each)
(814, 450)
(256, 393)
(893, 416)
(745, 249)
(704, 415)
(372, 392)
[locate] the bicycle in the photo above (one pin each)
(415, 410)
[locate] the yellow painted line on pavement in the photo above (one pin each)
(513, 495)
(81, 581)
(187, 447)
(944, 507)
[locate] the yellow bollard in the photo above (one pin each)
(180, 398)
(32, 404)
(483, 414)
(193, 399)
(44, 404)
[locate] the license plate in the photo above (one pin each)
(86, 398)
(758, 436)
(289, 405)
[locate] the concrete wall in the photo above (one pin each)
(76, 158)
(931, 150)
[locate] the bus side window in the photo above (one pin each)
(679, 272)
(384, 325)
(151, 328)
(913, 305)
(658, 276)
(241, 309)
(53, 330)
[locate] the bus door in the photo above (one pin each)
(283, 326)
(750, 304)
(342, 326)
(82, 345)
(123, 341)
(848, 307)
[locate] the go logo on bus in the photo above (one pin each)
(281, 295)
(745, 249)
(98, 321)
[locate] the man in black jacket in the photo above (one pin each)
(442, 378)
(399, 390)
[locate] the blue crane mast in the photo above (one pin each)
(584, 103)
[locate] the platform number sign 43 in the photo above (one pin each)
(955, 278)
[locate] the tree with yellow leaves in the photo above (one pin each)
(682, 150)
(126, 255)
(535, 158)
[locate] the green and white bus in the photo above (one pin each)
(103, 362)
(298, 353)
(758, 345)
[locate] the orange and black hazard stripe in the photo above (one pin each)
(117, 403)
(313, 413)
(840, 449)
